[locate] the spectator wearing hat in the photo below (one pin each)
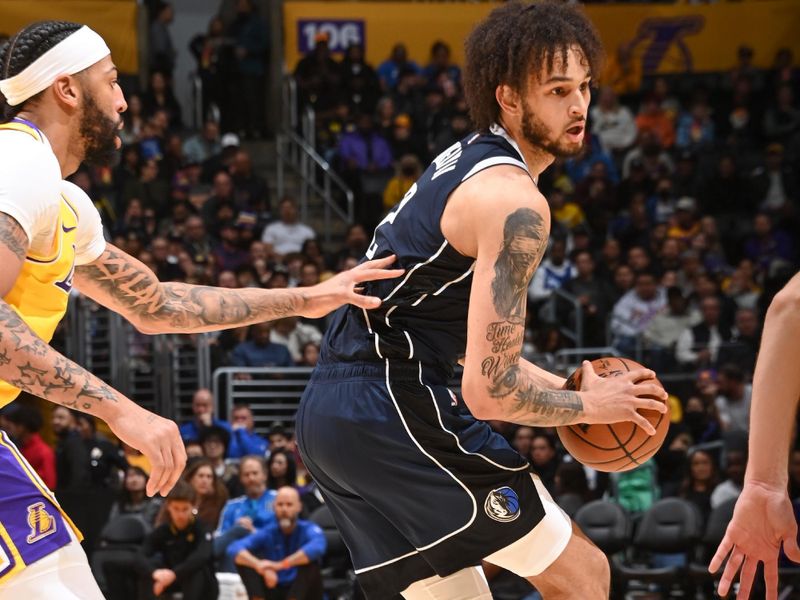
(685, 224)
(288, 234)
(403, 140)
(23, 423)
(203, 416)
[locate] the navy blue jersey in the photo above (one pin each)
(424, 313)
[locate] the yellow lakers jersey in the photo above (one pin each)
(42, 289)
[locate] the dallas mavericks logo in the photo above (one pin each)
(40, 521)
(502, 505)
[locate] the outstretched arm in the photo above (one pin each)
(125, 285)
(764, 518)
(30, 364)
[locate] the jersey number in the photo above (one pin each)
(389, 219)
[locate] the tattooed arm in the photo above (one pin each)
(125, 285)
(507, 230)
(32, 365)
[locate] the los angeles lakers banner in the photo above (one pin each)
(656, 38)
(115, 20)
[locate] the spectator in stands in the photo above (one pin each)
(310, 355)
(211, 493)
(522, 439)
(133, 121)
(613, 123)
(244, 515)
(161, 51)
(745, 339)
(389, 71)
(197, 242)
(244, 440)
(259, 351)
(179, 552)
(203, 416)
(203, 145)
(554, 271)
(319, 77)
(701, 420)
(775, 184)
(665, 329)
(635, 310)
(228, 254)
(24, 422)
(409, 170)
(685, 224)
(698, 346)
(782, 119)
(741, 288)
(735, 465)
(288, 234)
(133, 500)
(159, 96)
(653, 118)
(571, 479)
(294, 335)
(624, 279)
(700, 482)
(280, 561)
(695, 128)
(214, 441)
(249, 189)
(72, 461)
(280, 438)
(595, 295)
(733, 401)
(281, 467)
(545, 459)
(360, 83)
(214, 56)
(107, 462)
(648, 155)
(250, 43)
(767, 245)
(440, 65)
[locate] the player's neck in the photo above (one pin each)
(58, 129)
(536, 159)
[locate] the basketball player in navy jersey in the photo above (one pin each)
(420, 487)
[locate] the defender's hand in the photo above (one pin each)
(159, 440)
(344, 288)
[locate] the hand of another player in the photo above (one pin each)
(762, 519)
(617, 399)
(344, 288)
(158, 439)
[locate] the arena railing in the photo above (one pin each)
(318, 180)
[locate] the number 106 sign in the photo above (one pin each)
(340, 33)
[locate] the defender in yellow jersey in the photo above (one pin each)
(62, 107)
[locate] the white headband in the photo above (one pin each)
(74, 53)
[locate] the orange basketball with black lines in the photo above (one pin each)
(615, 446)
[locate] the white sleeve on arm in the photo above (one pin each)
(90, 242)
(29, 188)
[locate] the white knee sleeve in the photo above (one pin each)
(466, 584)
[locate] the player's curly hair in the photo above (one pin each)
(516, 40)
(25, 47)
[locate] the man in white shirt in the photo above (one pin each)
(287, 235)
(554, 272)
(635, 311)
(612, 123)
(698, 346)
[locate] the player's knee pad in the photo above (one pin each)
(539, 548)
(466, 584)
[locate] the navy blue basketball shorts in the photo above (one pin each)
(417, 486)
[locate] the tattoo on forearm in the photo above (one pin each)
(12, 236)
(526, 399)
(56, 377)
(135, 291)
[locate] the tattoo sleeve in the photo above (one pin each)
(127, 286)
(524, 396)
(12, 236)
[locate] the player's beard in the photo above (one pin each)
(538, 134)
(98, 133)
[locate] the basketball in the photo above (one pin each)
(615, 446)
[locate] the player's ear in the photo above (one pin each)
(508, 98)
(67, 90)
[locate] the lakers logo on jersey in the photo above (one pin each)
(41, 522)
